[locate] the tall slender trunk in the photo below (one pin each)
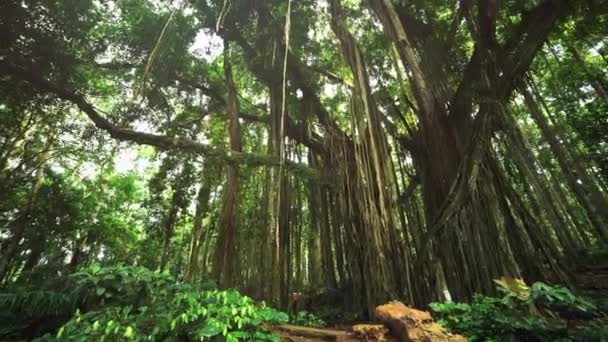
(277, 200)
(202, 206)
(314, 250)
(586, 191)
(226, 251)
(77, 253)
(168, 229)
(596, 83)
(21, 223)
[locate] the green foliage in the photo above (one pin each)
(156, 67)
(540, 312)
(486, 318)
(135, 303)
(551, 298)
(306, 319)
(123, 285)
(186, 315)
(27, 312)
(41, 307)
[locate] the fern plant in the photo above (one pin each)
(29, 311)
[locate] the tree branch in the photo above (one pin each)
(293, 130)
(160, 141)
(459, 14)
(529, 37)
(296, 70)
(330, 75)
(516, 56)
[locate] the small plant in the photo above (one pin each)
(307, 319)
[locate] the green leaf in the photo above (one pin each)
(128, 332)
(239, 334)
(60, 332)
(209, 330)
(100, 290)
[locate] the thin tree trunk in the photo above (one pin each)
(585, 191)
(202, 206)
(168, 229)
(226, 251)
(22, 221)
(595, 82)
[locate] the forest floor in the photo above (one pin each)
(298, 333)
(593, 277)
(396, 322)
(341, 333)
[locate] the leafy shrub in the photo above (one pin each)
(122, 285)
(135, 303)
(187, 315)
(486, 318)
(539, 312)
(29, 311)
(306, 319)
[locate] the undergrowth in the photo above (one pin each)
(307, 319)
(126, 303)
(541, 312)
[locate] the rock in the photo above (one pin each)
(407, 324)
(371, 332)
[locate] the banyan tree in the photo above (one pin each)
(385, 144)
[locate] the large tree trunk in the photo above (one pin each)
(473, 219)
(452, 148)
(369, 187)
